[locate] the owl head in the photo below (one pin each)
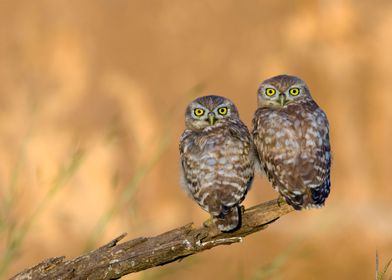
(279, 91)
(208, 111)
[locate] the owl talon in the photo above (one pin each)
(208, 223)
(281, 201)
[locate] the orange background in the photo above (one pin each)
(102, 86)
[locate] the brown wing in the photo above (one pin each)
(278, 148)
(315, 157)
(293, 147)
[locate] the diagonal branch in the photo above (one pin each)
(115, 259)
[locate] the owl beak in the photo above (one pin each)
(211, 118)
(282, 99)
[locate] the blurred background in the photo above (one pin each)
(92, 98)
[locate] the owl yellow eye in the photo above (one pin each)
(270, 91)
(198, 112)
(222, 111)
(294, 91)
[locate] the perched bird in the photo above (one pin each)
(291, 134)
(217, 159)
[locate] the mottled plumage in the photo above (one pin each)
(291, 134)
(217, 159)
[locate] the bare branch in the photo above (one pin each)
(115, 259)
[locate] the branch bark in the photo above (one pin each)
(115, 259)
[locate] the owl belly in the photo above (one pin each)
(222, 181)
(291, 164)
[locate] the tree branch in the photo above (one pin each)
(115, 259)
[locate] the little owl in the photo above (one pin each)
(291, 135)
(217, 159)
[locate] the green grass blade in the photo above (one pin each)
(381, 275)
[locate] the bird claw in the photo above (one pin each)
(281, 201)
(208, 223)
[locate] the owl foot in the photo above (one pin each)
(281, 201)
(208, 223)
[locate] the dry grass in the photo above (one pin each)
(381, 275)
(91, 107)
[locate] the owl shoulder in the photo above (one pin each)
(319, 116)
(186, 139)
(238, 129)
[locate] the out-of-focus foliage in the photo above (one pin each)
(112, 79)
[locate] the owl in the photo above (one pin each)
(217, 159)
(291, 135)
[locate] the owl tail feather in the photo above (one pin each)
(312, 198)
(229, 219)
